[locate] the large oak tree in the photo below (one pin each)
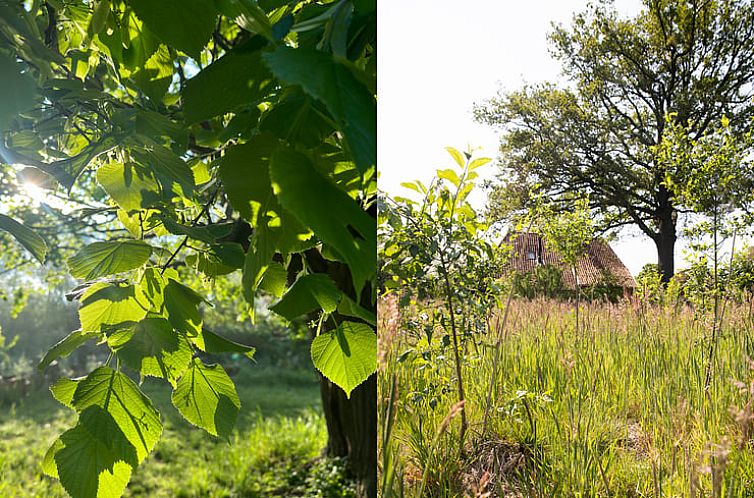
(692, 60)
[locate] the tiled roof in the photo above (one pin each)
(530, 250)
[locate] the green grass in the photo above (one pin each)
(618, 409)
(274, 450)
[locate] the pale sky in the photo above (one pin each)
(437, 58)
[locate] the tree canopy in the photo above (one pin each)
(690, 60)
(188, 139)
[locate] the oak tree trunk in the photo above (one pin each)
(665, 242)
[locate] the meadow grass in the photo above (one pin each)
(274, 451)
(617, 408)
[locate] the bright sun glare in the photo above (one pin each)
(37, 194)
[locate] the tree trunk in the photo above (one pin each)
(665, 242)
(352, 431)
(351, 423)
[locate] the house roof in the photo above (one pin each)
(530, 251)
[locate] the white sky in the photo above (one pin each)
(437, 58)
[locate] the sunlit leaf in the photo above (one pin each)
(25, 236)
(207, 398)
(99, 259)
(347, 356)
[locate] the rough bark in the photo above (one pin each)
(352, 431)
(666, 236)
(351, 423)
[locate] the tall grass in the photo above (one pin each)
(619, 409)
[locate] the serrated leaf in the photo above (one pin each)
(183, 24)
(207, 398)
(327, 210)
(95, 459)
(307, 294)
(49, 466)
(182, 305)
(245, 176)
(66, 346)
(99, 259)
(209, 342)
(152, 348)
(155, 76)
(63, 389)
(347, 356)
(25, 236)
(131, 187)
(104, 304)
(348, 100)
(169, 169)
(130, 409)
(275, 279)
(237, 79)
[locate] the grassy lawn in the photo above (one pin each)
(274, 450)
(616, 409)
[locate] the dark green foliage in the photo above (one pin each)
(142, 115)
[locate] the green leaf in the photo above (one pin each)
(106, 258)
(152, 348)
(450, 175)
(207, 398)
(130, 186)
(347, 355)
(350, 103)
(329, 211)
(104, 304)
(17, 92)
(209, 342)
(348, 307)
(478, 163)
(66, 346)
(63, 390)
(247, 14)
(204, 233)
(182, 305)
(275, 279)
(49, 466)
(117, 428)
(168, 168)
(237, 79)
(457, 156)
(151, 288)
(25, 236)
(296, 118)
(99, 16)
(244, 172)
(308, 293)
(183, 24)
(94, 459)
(155, 76)
(130, 409)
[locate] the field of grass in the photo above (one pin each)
(275, 450)
(616, 409)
